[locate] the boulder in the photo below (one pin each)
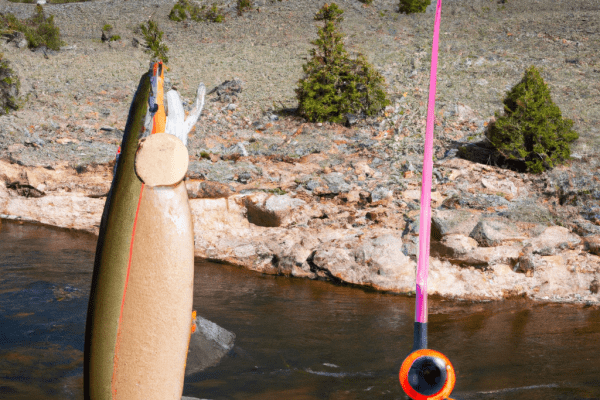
(448, 222)
(376, 260)
(271, 210)
(486, 256)
(208, 345)
(493, 232)
(453, 246)
(552, 239)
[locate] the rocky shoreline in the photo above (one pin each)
(274, 194)
(505, 248)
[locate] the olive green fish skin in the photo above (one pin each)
(112, 257)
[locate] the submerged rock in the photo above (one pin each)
(208, 345)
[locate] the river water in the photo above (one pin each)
(296, 339)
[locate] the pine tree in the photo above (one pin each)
(532, 129)
(334, 84)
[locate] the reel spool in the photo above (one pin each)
(427, 375)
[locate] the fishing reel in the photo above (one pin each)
(427, 375)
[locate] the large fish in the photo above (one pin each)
(139, 317)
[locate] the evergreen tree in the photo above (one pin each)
(532, 129)
(334, 84)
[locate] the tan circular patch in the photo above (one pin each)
(161, 160)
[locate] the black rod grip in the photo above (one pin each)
(420, 336)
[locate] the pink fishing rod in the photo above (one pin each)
(425, 373)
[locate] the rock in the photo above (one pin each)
(351, 197)
(375, 261)
(312, 184)
(380, 195)
(485, 256)
(208, 345)
(336, 183)
(244, 177)
(528, 263)
(437, 199)
(377, 215)
(491, 232)
(595, 286)
(351, 119)
(528, 211)
(18, 39)
(503, 186)
(591, 244)
(552, 239)
(228, 91)
(207, 190)
(447, 222)
(294, 261)
(585, 228)
(242, 149)
(361, 168)
(270, 210)
(73, 211)
(464, 113)
(475, 201)
(453, 246)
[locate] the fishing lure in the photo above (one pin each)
(426, 374)
(138, 324)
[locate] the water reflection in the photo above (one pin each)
(296, 339)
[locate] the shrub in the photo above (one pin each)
(9, 87)
(107, 27)
(366, 1)
(243, 6)
(334, 84)
(214, 14)
(532, 130)
(153, 38)
(185, 9)
(413, 6)
(38, 30)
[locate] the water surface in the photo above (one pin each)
(296, 339)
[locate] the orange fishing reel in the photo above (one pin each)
(427, 375)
